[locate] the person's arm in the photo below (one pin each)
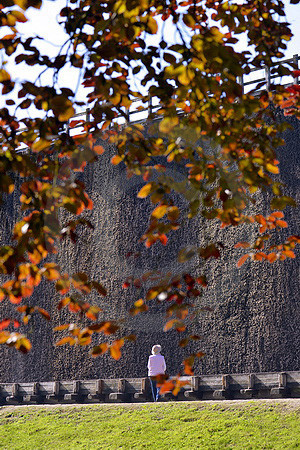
(148, 363)
(164, 365)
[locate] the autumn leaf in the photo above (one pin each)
(167, 386)
(159, 211)
(271, 168)
(4, 324)
(62, 108)
(65, 340)
(168, 123)
(4, 75)
(44, 313)
(115, 349)
(242, 260)
(145, 191)
(281, 223)
(115, 160)
(99, 349)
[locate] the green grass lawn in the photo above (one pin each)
(193, 425)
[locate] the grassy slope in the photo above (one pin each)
(247, 425)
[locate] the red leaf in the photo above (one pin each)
(4, 324)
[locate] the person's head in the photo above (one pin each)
(156, 349)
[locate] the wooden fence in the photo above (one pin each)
(204, 387)
(142, 113)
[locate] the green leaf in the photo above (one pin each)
(282, 202)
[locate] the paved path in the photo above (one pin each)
(289, 404)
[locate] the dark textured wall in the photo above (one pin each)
(256, 317)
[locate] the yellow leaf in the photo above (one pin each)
(115, 349)
(145, 191)
(186, 76)
(152, 24)
(4, 75)
(62, 108)
(271, 168)
(19, 16)
(40, 145)
(159, 211)
(168, 123)
(139, 303)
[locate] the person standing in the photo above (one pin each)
(156, 366)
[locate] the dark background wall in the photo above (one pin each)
(255, 322)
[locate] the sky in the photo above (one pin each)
(44, 23)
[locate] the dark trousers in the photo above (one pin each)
(154, 389)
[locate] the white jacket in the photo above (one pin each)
(156, 365)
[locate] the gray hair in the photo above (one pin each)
(156, 349)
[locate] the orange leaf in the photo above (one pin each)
(115, 349)
(99, 149)
(100, 349)
(167, 386)
(272, 257)
(242, 245)
(62, 327)
(145, 191)
(163, 239)
(65, 340)
(169, 324)
(282, 223)
(44, 313)
(289, 253)
(278, 214)
(159, 211)
(242, 260)
(115, 160)
(4, 324)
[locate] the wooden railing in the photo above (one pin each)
(136, 115)
(143, 113)
(204, 387)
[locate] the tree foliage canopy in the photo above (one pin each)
(123, 54)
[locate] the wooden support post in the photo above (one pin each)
(149, 106)
(2, 399)
(241, 82)
(144, 393)
(295, 61)
(97, 393)
(75, 395)
(15, 396)
(250, 391)
(55, 393)
(34, 397)
(224, 393)
(88, 115)
(194, 392)
(268, 78)
(281, 390)
(121, 394)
